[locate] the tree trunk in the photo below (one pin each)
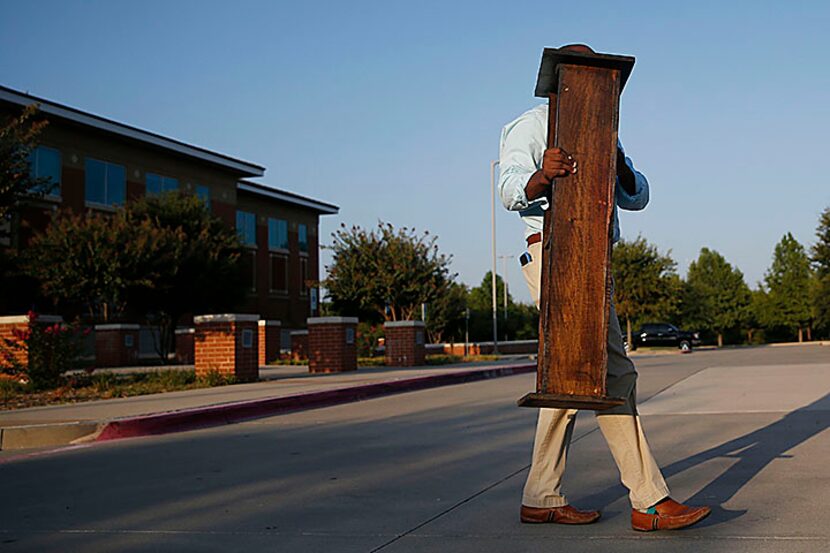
(809, 333)
(800, 335)
(628, 333)
(749, 336)
(720, 340)
(167, 336)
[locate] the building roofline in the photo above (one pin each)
(289, 197)
(108, 125)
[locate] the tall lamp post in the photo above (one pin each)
(493, 272)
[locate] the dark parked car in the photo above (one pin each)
(664, 334)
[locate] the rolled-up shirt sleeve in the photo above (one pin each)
(638, 200)
(520, 155)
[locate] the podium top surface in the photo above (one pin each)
(548, 80)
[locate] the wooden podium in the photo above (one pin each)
(584, 93)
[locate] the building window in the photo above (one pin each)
(46, 163)
(156, 184)
(105, 183)
(203, 193)
(248, 261)
(246, 227)
(277, 234)
(302, 231)
(279, 273)
(304, 276)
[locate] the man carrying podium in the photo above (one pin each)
(529, 169)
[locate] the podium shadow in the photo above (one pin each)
(753, 451)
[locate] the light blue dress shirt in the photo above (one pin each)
(523, 144)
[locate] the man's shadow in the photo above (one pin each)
(753, 451)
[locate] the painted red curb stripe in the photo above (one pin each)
(228, 413)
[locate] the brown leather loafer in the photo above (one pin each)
(671, 515)
(558, 515)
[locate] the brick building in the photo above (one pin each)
(99, 164)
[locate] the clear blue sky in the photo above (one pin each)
(392, 110)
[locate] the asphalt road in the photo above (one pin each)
(442, 470)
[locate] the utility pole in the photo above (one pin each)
(467, 332)
(493, 273)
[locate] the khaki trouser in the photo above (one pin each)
(620, 426)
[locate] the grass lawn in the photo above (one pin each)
(105, 385)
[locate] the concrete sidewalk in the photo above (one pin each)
(743, 430)
(283, 389)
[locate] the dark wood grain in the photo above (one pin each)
(576, 273)
(561, 401)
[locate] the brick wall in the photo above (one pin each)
(269, 341)
(72, 188)
(332, 344)
(135, 190)
(224, 210)
(404, 344)
(7, 327)
(514, 347)
(116, 345)
(8, 324)
(228, 344)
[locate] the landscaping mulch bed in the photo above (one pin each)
(89, 387)
(379, 361)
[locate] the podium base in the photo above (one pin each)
(561, 401)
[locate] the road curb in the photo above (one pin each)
(229, 413)
(45, 435)
(181, 420)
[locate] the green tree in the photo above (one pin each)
(787, 284)
(723, 295)
(691, 307)
(756, 333)
(525, 316)
(521, 322)
(18, 137)
(201, 272)
(480, 303)
(445, 315)
(821, 265)
(90, 261)
(481, 296)
(385, 273)
(646, 284)
(157, 259)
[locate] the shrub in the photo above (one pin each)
(367, 338)
(51, 350)
(215, 378)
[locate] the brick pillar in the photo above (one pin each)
(228, 344)
(269, 341)
(116, 345)
(332, 344)
(184, 345)
(404, 343)
(19, 322)
(299, 344)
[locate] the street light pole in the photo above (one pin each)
(466, 332)
(493, 273)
